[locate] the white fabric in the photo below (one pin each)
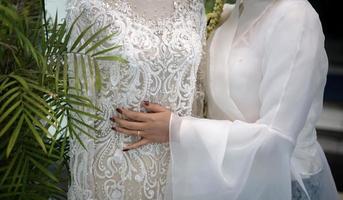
(164, 51)
(266, 76)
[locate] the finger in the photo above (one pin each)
(123, 123)
(137, 144)
(128, 131)
(153, 107)
(136, 116)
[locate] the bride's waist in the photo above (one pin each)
(124, 140)
(182, 108)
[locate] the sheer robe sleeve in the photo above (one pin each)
(236, 160)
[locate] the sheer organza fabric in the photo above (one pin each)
(265, 80)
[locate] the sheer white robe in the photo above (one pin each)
(266, 75)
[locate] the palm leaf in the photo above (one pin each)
(12, 119)
(9, 101)
(97, 76)
(9, 92)
(83, 113)
(111, 58)
(21, 81)
(106, 50)
(43, 169)
(8, 85)
(14, 136)
(39, 114)
(39, 124)
(71, 29)
(80, 37)
(99, 43)
(37, 92)
(92, 38)
(8, 170)
(73, 133)
(18, 173)
(84, 72)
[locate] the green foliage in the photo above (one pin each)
(209, 4)
(41, 104)
(214, 9)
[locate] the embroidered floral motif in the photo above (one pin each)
(163, 55)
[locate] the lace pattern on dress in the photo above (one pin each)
(163, 57)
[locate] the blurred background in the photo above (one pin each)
(330, 126)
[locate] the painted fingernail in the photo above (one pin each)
(146, 103)
(112, 119)
(125, 149)
(119, 110)
(114, 128)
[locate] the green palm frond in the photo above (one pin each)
(42, 104)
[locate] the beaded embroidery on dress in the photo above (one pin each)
(163, 54)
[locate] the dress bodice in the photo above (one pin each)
(163, 55)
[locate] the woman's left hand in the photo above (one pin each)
(152, 127)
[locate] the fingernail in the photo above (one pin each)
(112, 119)
(125, 149)
(146, 103)
(114, 128)
(119, 110)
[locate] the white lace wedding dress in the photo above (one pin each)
(162, 40)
